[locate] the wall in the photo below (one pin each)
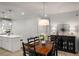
(65, 18)
(25, 27)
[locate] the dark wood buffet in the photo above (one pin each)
(65, 43)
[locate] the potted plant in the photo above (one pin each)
(43, 38)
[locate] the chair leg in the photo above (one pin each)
(24, 54)
(56, 53)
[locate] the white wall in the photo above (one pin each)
(67, 18)
(25, 27)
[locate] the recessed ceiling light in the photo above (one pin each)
(22, 13)
(10, 10)
(10, 23)
(3, 12)
(45, 15)
(76, 14)
(5, 16)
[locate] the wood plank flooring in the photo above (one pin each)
(4, 52)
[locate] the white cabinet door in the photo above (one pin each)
(16, 44)
(9, 45)
(0, 41)
(4, 43)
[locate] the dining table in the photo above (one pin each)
(44, 49)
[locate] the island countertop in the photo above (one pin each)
(10, 36)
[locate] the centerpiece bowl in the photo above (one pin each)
(43, 42)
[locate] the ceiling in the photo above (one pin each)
(36, 8)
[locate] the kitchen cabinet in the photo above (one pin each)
(0, 42)
(10, 43)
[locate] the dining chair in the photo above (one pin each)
(32, 42)
(53, 37)
(25, 49)
(54, 40)
(56, 47)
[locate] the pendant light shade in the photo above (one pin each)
(43, 22)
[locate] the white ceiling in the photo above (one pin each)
(36, 8)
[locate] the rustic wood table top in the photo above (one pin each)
(44, 49)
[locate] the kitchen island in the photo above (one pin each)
(10, 42)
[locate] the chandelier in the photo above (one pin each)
(43, 21)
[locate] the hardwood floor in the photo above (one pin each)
(62, 53)
(4, 52)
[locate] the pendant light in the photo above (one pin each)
(43, 21)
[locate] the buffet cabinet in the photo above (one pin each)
(65, 43)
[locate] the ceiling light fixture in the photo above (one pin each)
(43, 21)
(22, 13)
